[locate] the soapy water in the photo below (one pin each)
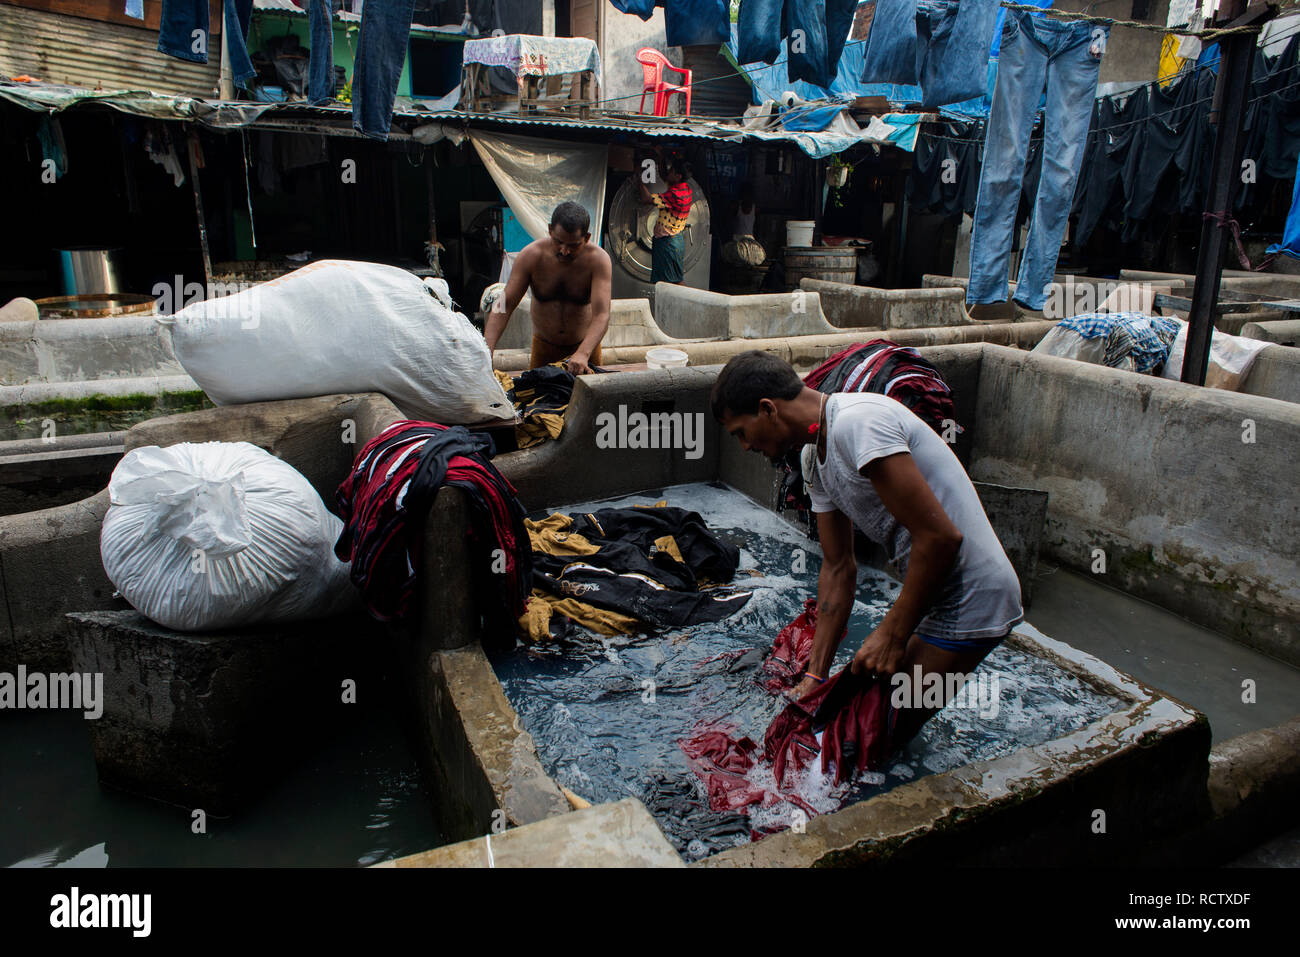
(606, 712)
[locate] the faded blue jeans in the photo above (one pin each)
(761, 24)
(381, 51)
(181, 20)
(320, 79)
(940, 45)
(1035, 52)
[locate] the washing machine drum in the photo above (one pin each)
(631, 230)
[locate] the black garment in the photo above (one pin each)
(685, 817)
(633, 575)
(625, 530)
(952, 152)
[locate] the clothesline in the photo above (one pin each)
(1205, 35)
(1134, 24)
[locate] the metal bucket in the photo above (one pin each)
(89, 269)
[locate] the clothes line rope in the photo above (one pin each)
(1131, 24)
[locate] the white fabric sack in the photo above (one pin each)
(200, 536)
(336, 326)
(1069, 344)
(1230, 358)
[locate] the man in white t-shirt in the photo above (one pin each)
(880, 469)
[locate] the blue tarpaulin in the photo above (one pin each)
(1290, 245)
(769, 82)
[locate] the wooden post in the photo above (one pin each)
(192, 148)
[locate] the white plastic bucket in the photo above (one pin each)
(666, 358)
(799, 232)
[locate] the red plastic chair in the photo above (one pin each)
(653, 63)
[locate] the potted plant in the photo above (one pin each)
(837, 173)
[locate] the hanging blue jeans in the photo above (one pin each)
(942, 45)
(381, 51)
(183, 33)
(320, 80)
(814, 51)
(1035, 52)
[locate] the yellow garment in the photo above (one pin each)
(1170, 63)
(667, 222)
(537, 427)
(551, 535)
(536, 621)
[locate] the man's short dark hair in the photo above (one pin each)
(572, 218)
(749, 377)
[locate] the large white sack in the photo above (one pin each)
(1230, 358)
(335, 326)
(209, 535)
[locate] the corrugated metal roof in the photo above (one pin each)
(96, 55)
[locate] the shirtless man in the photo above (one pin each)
(570, 279)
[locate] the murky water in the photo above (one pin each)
(602, 732)
(354, 798)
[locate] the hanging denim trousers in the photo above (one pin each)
(320, 78)
(815, 33)
(1036, 53)
(183, 33)
(381, 51)
(940, 45)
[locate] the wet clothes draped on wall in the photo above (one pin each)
(383, 503)
(1036, 53)
(879, 366)
(854, 739)
(814, 51)
(540, 397)
(657, 567)
(940, 45)
(887, 368)
(183, 33)
(686, 22)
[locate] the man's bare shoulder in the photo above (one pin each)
(598, 257)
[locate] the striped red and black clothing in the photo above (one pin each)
(384, 500)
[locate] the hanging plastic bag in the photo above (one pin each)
(209, 535)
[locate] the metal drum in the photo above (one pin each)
(832, 263)
(87, 269)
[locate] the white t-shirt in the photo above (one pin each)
(980, 598)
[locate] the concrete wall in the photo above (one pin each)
(622, 34)
(1285, 332)
(630, 324)
(1275, 373)
(805, 352)
(1131, 55)
(849, 306)
(687, 313)
(69, 350)
(1152, 472)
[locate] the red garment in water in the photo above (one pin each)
(723, 763)
(856, 737)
